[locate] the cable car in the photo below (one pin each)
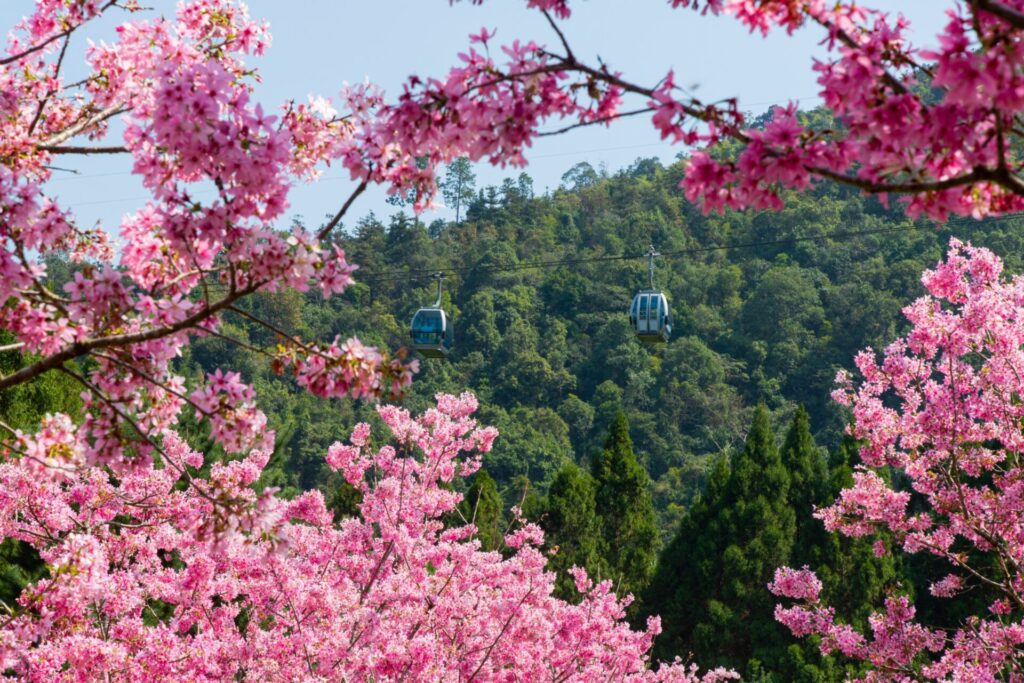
(649, 313)
(431, 330)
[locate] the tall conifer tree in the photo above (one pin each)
(623, 502)
(725, 554)
(690, 564)
(809, 488)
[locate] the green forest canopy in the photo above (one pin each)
(549, 351)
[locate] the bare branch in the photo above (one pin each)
(270, 326)
(561, 36)
(85, 124)
(238, 342)
(603, 119)
(65, 149)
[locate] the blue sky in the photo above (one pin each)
(319, 44)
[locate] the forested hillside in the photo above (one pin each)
(549, 350)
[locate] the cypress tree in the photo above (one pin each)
(571, 525)
(624, 505)
(809, 488)
(689, 565)
(723, 557)
(483, 507)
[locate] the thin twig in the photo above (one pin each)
(561, 36)
(594, 122)
(43, 102)
(152, 380)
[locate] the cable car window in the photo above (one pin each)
(643, 307)
(427, 328)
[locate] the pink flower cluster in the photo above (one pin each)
(235, 421)
(148, 581)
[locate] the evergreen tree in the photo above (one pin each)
(624, 505)
(689, 564)
(809, 488)
(483, 507)
(725, 554)
(571, 526)
(830, 554)
(459, 186)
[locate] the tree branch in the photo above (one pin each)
(561, 36)
(56, 36)
(66, 149)
(603, 119)
(1008, 14)
(152, 380)
(83, 124)
(37, 48)
(42, 103)
(80, 348)
(1002, 177)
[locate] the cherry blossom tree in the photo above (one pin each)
(943, 407)
(148, 581)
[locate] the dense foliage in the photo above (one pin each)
(756, 514)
